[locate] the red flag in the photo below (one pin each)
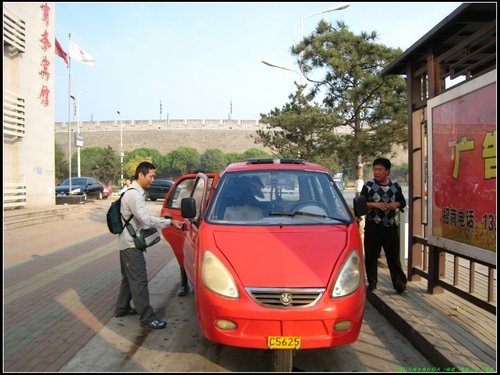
(60, 52)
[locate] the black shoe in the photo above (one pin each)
(401, 290)
(155, 324)
(372, 287)
(183, 291)
(130, 311)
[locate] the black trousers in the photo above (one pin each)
(377, 237)
(134, 285)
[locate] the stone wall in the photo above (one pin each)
(167, 135)
(227, 136)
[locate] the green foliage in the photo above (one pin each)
(61, 164)
(213, 160)
(344, 72)
(299, 129)
(150, 154)
(254, 153)
(104, 163)
(101, 163)
(131, 165)
(182, 160)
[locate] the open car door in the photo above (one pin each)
(182, 188)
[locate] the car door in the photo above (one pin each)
(172, 206)
(182, 188)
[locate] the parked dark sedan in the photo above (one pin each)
(86, 186)
(159, 189)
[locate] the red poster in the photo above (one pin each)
(464, 169)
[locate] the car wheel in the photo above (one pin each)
(153, 199)
(100, 195)
(84, 197)
(282, 360)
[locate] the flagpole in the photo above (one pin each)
(69, 116)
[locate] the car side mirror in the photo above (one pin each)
(188, 208)
(360, 206)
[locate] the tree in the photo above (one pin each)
(131, 165)
(253, 153)
(151, 154)
(108, 170)
(345, 70)
(182, 160)
(298, 130)
(61, 163)
(213, 160)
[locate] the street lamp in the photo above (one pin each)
(78, 140)
(121, 147)
(280, 67)
(301, 20)
(338, 7)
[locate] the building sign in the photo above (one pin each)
(78, 140)
(45, 45)
(462, 162)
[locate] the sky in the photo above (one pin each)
(197, 60)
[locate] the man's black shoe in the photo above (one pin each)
(183, 291)
(130, 311)
(372, 287)
(155, 324)
(401, 290)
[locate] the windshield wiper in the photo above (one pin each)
(303, 213)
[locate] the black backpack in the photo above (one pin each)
(114, 216)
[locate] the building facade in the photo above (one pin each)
(28, 104)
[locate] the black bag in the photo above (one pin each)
(147, 237)
(114, 216)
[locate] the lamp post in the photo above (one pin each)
(280, 67)
(78, 145)
(121, 147)
(301, 20)
(338, 7)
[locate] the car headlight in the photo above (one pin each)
(216, 277)
(349, 278)
(76, 191)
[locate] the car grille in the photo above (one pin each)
(286, 297)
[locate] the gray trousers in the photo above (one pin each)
(134, 285)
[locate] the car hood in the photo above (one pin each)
(286, 256)
(66, 187)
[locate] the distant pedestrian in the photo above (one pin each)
(384, 197)
(134, 284)
(128, 182)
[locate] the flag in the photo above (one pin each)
(60, 52)
(76, 52)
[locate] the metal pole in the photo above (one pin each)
(78, 130)
(121, 147)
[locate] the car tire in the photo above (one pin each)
(100, 195)
(84, 197)
(282, 360)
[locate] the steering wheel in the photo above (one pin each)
(313, 207)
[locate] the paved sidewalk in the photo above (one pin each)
(53, 306)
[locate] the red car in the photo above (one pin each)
(274, 255)
(108, 190)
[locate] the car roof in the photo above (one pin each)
(281, 164)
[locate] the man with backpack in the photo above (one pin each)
(134, 284)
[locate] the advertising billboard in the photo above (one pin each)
(462, 169)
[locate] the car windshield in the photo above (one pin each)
(285, 197)
(74, 181)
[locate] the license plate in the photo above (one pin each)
(283, 342)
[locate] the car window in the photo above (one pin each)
(293, 197)
(182, 190)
